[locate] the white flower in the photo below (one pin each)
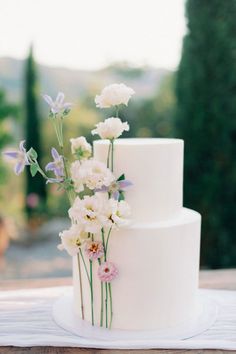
(81, 148)
(88, 213)
(111, 128)
(72, 239)
(75, 176)
(121, 214)
(116, 213)
(94, 174)
(114, 95)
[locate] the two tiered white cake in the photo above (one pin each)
(158, 254)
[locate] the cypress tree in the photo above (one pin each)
(206, 120)
(36, 185)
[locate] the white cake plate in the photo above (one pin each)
(64, 315)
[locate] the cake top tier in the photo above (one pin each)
(142, 141)
(155, 167)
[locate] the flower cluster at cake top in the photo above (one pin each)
(95, 192)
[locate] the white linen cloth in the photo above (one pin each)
(26, 320)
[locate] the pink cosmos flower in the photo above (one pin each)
(94, 249)
(107, 272)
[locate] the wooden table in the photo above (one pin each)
(214, 279)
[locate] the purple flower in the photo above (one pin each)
(20, 156)
(116, 188)
(58, 105)
(107, 272)
(94, 249)
(57, 166)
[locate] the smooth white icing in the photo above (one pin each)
(158, 275)
(158, 254)
(155, 167)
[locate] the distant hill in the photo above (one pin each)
(77, 83)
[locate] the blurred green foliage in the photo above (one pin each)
(206, 120)
(154, 116)
(8, 112)
(35, 187)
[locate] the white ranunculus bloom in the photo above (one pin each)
(114, 95)
(88, 213)
(72, 239)
(81, 148)
(111, 128)
(115, 212)
(95, 174)
(75, 176)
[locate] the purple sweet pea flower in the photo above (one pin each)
(58, 105)
(57, 166)
(116, 188)
(20, 156)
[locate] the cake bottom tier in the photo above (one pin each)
(158, 275)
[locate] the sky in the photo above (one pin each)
(90, 34)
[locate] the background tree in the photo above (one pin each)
(152, 116)
(35, 187)
(206, 120)
(7, 111)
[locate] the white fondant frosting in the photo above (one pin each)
(155, 167)
(158, 254)
(158, 275)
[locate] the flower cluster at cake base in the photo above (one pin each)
(96, 195)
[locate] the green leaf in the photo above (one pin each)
(33, 169)
(121, 178)
(32, 153)
(121, 196)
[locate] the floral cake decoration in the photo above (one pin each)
(96, 195)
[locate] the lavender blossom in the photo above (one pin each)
(20, 156)
(116, 188)
(57, 106)
(57, 166)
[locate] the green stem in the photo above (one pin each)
(61, 130)
(85, 267)
(111, 310)
(106, 303)
(112, 155)
(70, 193)
(54, 121)
(80, 277)
(58, 127)
(102, 300)
(91, 290)
(108, 236)
(34, 161)
(104, 245)
(108, 155)
(81, 287)
(117, 111)
(42, 173)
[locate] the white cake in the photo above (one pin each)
(158, 254)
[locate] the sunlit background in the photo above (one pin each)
(181, 61)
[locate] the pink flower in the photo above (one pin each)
(32, 200)
(94, 249)
(107, 271)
